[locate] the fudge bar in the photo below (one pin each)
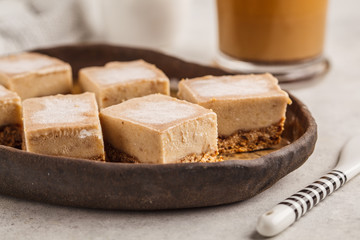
(120, 81)
(63, 125)
(35, 75)
(10, 118)
(250, 108)
(159, 129)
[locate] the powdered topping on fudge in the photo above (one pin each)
(109, 76)
(14, 65)
(227, 87)
(61, 110)
(160, 112)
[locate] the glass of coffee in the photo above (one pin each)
(282, 37)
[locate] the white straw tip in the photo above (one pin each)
(266, 227)
(275, 221)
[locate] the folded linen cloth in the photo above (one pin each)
(27, 24)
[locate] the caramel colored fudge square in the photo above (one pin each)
(10, 118)
(35, 75)
(161, 129)
(120, 81)
(250, 108)
(63, 125)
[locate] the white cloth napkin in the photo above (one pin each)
(27, 24)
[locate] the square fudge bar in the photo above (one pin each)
(120, 81)
(35, 75)
(250, 108)
(160, 129)
(63, 125)
(10, 118)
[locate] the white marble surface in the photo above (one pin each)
(334, 102)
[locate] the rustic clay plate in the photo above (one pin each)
(85, 183)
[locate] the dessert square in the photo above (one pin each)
(159, 129)
(250, 108)
(63, 125)
(120, 81)
(10, 118)
(35, 75)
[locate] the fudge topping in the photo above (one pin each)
(60, 109)
(216, 88)
(55, 110)
(107, 76)
(234, 86)
(156, 110)
(160, 112)
(24, 63)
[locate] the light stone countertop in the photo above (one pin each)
(335, 104)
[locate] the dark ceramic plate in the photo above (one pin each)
(85, 183)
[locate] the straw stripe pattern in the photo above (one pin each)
(311, 195)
